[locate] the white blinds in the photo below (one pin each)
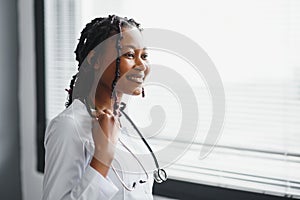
(259, 148)
(255, 46)
(61, 34)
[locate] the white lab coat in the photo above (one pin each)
(69, 148)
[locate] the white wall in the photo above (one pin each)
(31, 179)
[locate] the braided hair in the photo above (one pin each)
(95, 32)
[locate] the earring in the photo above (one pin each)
(143, 92)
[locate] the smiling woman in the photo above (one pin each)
(81, 141)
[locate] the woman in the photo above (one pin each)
(81, 141)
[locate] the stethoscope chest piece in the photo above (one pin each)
(160, 175)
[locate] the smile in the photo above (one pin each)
(135, 78)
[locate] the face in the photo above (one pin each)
(134, 64)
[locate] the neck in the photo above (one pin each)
(102, 98)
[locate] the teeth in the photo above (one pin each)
(135, 79)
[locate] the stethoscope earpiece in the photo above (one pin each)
(160, 175)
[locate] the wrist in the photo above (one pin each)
(99, 166)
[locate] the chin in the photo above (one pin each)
(134, 92)
(137, 92)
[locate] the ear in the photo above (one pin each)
(92, 60)
(90, 57)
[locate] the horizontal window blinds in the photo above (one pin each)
(61, 34)
(259, 146)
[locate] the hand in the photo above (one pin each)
(105, 131)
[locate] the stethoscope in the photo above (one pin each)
(159, 174)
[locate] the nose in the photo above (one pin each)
(140, 65)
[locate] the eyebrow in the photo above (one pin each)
(133, 47)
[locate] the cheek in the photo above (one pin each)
(125, 67)
(109, 74)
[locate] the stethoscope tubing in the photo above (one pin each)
(157, 173)
(140, 134)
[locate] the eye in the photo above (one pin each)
(145, 56)
(129, 55)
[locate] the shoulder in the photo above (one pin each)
(70, 124)
(60, 128)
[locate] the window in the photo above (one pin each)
(62, 28)
(253, 45)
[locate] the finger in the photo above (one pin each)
(108, 111)
(99, 114)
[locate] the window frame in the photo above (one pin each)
(40, 82)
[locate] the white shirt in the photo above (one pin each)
(69, 149)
